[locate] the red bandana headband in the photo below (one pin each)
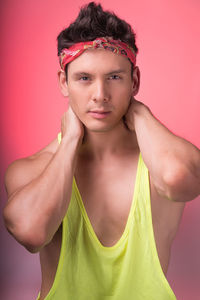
(116, 46)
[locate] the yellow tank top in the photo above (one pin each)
(130, 269)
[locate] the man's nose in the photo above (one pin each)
(101, 92)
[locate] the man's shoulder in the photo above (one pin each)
(23, 170)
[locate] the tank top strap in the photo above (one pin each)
(142, 195)
(144, 182)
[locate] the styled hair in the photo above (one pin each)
(93, 22)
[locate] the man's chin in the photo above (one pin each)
(98, 128)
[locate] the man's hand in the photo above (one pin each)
(71, 126)
(133, 108)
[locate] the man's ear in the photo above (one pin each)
(136, 81)
(63, 83)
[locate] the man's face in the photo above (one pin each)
(99, 88)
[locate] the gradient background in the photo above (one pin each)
(168, 35)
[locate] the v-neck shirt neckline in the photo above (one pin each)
(131, 211)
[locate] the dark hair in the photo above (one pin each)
(93, 22)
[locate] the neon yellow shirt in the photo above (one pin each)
(130, 269)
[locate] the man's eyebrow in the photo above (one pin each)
(81, 74)
(116, 71)
(109, 73)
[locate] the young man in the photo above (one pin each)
(103, 202)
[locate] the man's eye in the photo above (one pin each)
(114, 77)
(84, 78)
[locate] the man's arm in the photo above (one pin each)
(39, 189)
(174, 163)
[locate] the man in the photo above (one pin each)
(103, 201)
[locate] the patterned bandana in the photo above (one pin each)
(116, 46)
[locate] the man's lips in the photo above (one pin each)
(99, 114)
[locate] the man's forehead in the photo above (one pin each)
(99, 59)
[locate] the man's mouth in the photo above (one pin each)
(99, 114)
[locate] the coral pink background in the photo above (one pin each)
(31, 107)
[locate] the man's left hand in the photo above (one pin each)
(132, 109)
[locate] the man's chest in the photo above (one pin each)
(108, 194)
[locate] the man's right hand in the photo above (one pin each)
(71, 126)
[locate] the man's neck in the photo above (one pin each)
(101, 145)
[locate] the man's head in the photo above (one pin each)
(98, 80)
(93, 22)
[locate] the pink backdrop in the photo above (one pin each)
(168, 38)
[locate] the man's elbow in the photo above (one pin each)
(32, 239)
(180, 184)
